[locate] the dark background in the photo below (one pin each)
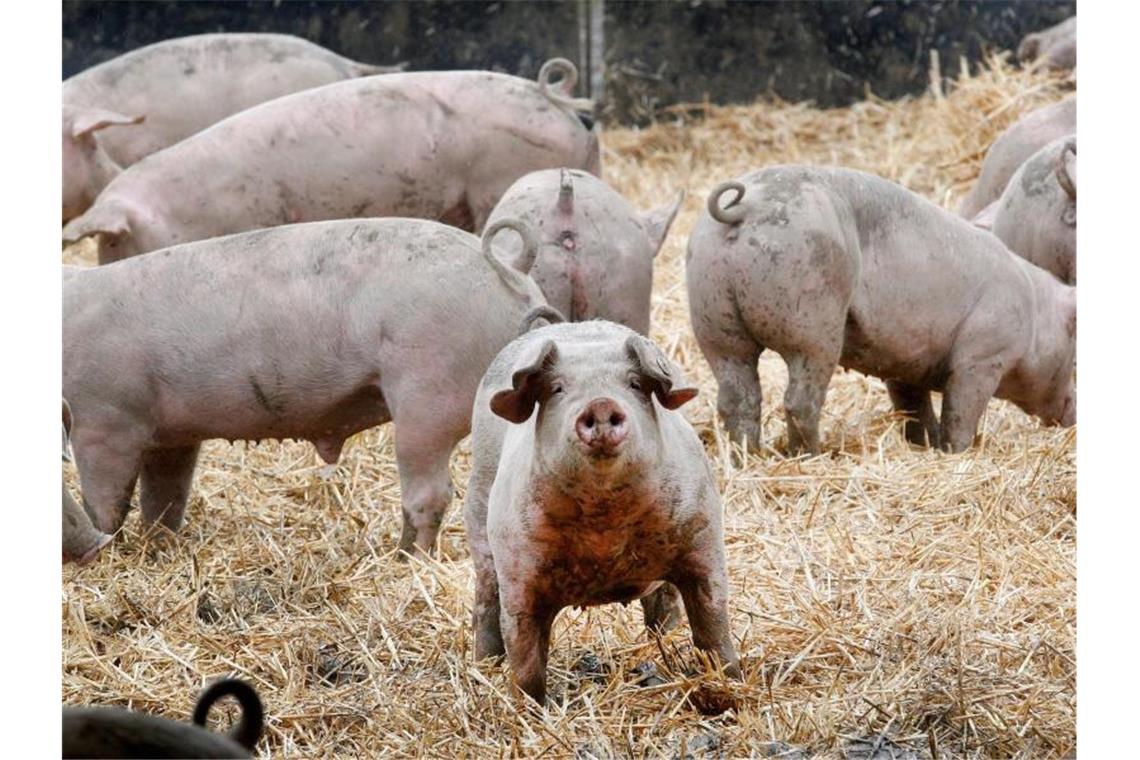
(656, 53)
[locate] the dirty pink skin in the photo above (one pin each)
(173, 89)
(1053, 48)
(600, 496)
(81, 540)
(830, 266)
(596, 255)
(435, 145)
(1013, 147)
(1036, 216)
(314, 331)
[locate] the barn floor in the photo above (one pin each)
(884, 598)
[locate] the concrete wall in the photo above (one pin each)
(655, 53)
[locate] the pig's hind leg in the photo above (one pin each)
(914, 402)
(809, 374)
(423, 452)
(733, 354)
(662, 608)
(164, 485)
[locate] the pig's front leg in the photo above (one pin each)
(485, 616)
(164, 484)
(703, 583)
(526, 633)
(914, 402)
(964, 399)
(108, 469)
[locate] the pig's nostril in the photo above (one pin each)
(616, 419)
(590, 422)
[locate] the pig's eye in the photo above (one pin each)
(635, 383)
(556, 388)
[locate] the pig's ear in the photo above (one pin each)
(664, 376)
(99, 218)
(91, 120)
(656, 222)
(985, 218)
(516, 404)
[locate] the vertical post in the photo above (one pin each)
(597, 49)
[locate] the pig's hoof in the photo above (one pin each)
(89, 556)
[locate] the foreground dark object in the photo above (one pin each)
(106, 732)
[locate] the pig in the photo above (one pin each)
(596, 259)
(1036, 216)
(1054, 48)
(312, 331)
(834, 266)
(1025, 137)
(106, 731)
(174, 88)
(604, 494)
(433, 145)
(81, 540)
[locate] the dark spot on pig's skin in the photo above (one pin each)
(263, 400)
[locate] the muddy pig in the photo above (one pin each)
(1053, 48)
(114, 732)
(174, 88)
(832, 266)
(1036, 216)
(312, 331)
(433, 145)
(588, 487)
(81, 540)
(596, 251)
(1013, 147)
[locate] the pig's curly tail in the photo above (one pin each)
(520, 268)
(732, 212)
(251, 723)
(569, 78)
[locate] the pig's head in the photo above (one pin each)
(111, 222)
(1046, 385)
(596, 399)
(87, 168)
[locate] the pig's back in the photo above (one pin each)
(341, 285)
(314, 155)
(184, 85)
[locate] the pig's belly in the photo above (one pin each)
(272, 418)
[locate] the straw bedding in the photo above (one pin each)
(886, 600)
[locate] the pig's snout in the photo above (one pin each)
(602, 426)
